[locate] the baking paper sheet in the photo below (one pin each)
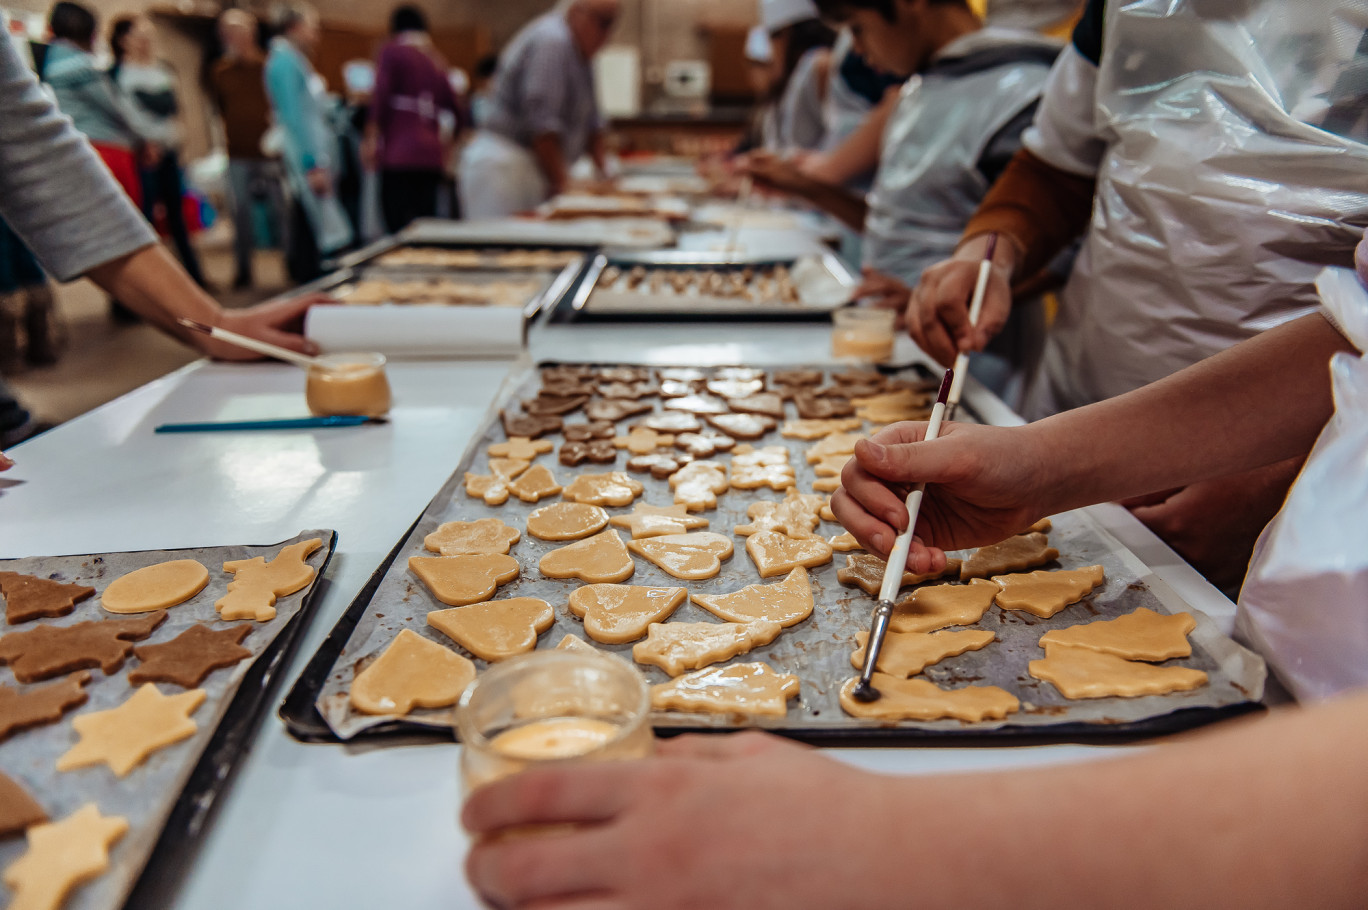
(401, 331)
(818, 649)
(147, 794)
(822, 285)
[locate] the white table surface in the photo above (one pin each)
(331, 826)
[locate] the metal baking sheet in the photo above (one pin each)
(167, 798)
(582, 233)
(823, 282)
(817, 650)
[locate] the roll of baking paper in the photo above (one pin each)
(418, 331)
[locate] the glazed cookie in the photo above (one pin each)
(1015, 554)
(615, 409)
(612, 489)
(769, 404)
(817, 429)
(697, 404)
(617, 614)
(866, 571)
(794, 515)
(529, 426)
(753, 468)
(920, 699)
(597, 451)
(670, 422)
(705, 444)
(461, 580)
(566, 521)
(825, 407)
(643, 441)
(594, 429)
(602, 558)
(698, 485)
(656, 521)
(940, 606)
(659, 465)
(691, 557)
(798, 377)
(906, 654)
(742, 426)
(411, 673)
(734, 689)
(496, 629)
(472, 538)
(735, 388)
(844, 543)
(550, 404)
(835, 444)
(788, 602)
(535, 484)
(777, 554)
(676, 647)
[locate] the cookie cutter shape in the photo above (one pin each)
(594, 429)
(483, 536)
(1015, 554)
(825, 513)
(191, 656)
(892, 407)
(735, 388)
(940, 606)
(535, 484)
(1084, 673)
(616, 409)
(906, 654)
(788, 602)
(462, 580)
(493, 487)
(753, 468)
(831, 466)
(632, 390)
(769, 404)
(776, 554)
(796, 515)
(753, 688)
(62, 855)
(597, 451)
(1044, 594)
(41, 706)
(809, 429)
(155, 587)
(549, 403)
(844, 543)
(921, 699)
(670, 422)
(697, 485)
(658, 464)
(18, 810)
(30, 597)
(866, 571)
(257, 583)
(496, 629)
(566, 521)
(124, 736)
(617, 614)
(530, 426)
(412, 672)
(705, 444)
(835, 444)
(800, 377)
(742, 426)
(572, 643)
(47, 651)
(677, 647)
(1139, 635)
(826, 484)
(698, 404)
(600, 559)
(690, 557)
(520, 448)
(741, 374)
(614, 488)
(657, 521)
(816, 406)
(643, 441)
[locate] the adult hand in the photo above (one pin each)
(773, 172)
(320, 182)
(151, 154)
(883, 291)
(5, 462)
(280, 322)
(938, 314)
(984, 484)
(711, 821)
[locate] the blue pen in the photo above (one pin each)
(290, 423)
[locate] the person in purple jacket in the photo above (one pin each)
(415, 117)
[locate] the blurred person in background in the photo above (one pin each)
(31, 334)
(543, 113)
(415, 117)
(150, 86)
(481, 87)
(800, 58)
(238, 85)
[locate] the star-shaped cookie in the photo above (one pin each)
(62, 855)
(124, 736)
(191, 656)
(657, 521)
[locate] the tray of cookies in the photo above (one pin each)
(679, 518)
(129, 686)
(691, 284)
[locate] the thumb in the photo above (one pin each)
(907, 463)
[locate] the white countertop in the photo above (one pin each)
(335, 826)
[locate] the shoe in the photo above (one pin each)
(47, 335)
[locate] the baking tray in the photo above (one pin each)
(169, 799)
(818, 650)
(822, 278)
(581, 233)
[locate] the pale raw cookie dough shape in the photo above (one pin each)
(62, 855)
(1082, 673)
(566, 521)
(831, 466)
(939, 606)
(795, 515)
(844, 543)
(520, 448)
(906, 654)
(690, 557)
(124, 736)
(679, 646)
(257, 583)
(830, 446)
(493, 487)
(643, 441)
(697, 485)
(753, 468)
(920, 699)
(461, 580)
(535, 484)
(156, 587)
(614, 488)
(826, 514)
(826, 484)
(485, 536)
(817, 428)
(658, 521)
(1141, 635)
(788, 602)
(1044, 594)
(1015, 554)
(736, 689)
(893, 407)
(776, 554)
(600, 559)
(617, 614)
(866, 571)
(578, 645)
(496, 629)
(412, 672)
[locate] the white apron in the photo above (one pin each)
(1235, 170)
(498, 178)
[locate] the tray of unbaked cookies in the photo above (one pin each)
(130, 684)
(679, 518)
(680, 283)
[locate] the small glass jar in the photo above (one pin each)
(548, 707)
(348, 385)
(864, 334)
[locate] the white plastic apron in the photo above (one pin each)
(1232, 176)
(498, 178)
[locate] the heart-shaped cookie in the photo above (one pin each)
(776, 554)
(617, 614)
(688, 556)
(461, 580)
(472, 538)
(496, 629)
(788, 602)
(595, 560)
(411, 673)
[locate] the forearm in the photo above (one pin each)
(858, 154)
(551, 160)
(151, 283)
(849, 208)
(1260, 402)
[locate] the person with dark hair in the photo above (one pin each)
(801, 58)
(415, 117)
(149, 85)
(481, 81)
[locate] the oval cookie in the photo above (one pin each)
(157, 587)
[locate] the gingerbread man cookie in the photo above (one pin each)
(257, 583)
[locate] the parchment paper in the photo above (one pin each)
(818, 649)
(819, 290)
(147, 794)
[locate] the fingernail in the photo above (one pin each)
(879, 540)
(873, 451)
(894, 521)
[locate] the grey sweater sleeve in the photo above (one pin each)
(54, 190)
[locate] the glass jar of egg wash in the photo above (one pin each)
(863, 334)
(552, 706)
(348, 385)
